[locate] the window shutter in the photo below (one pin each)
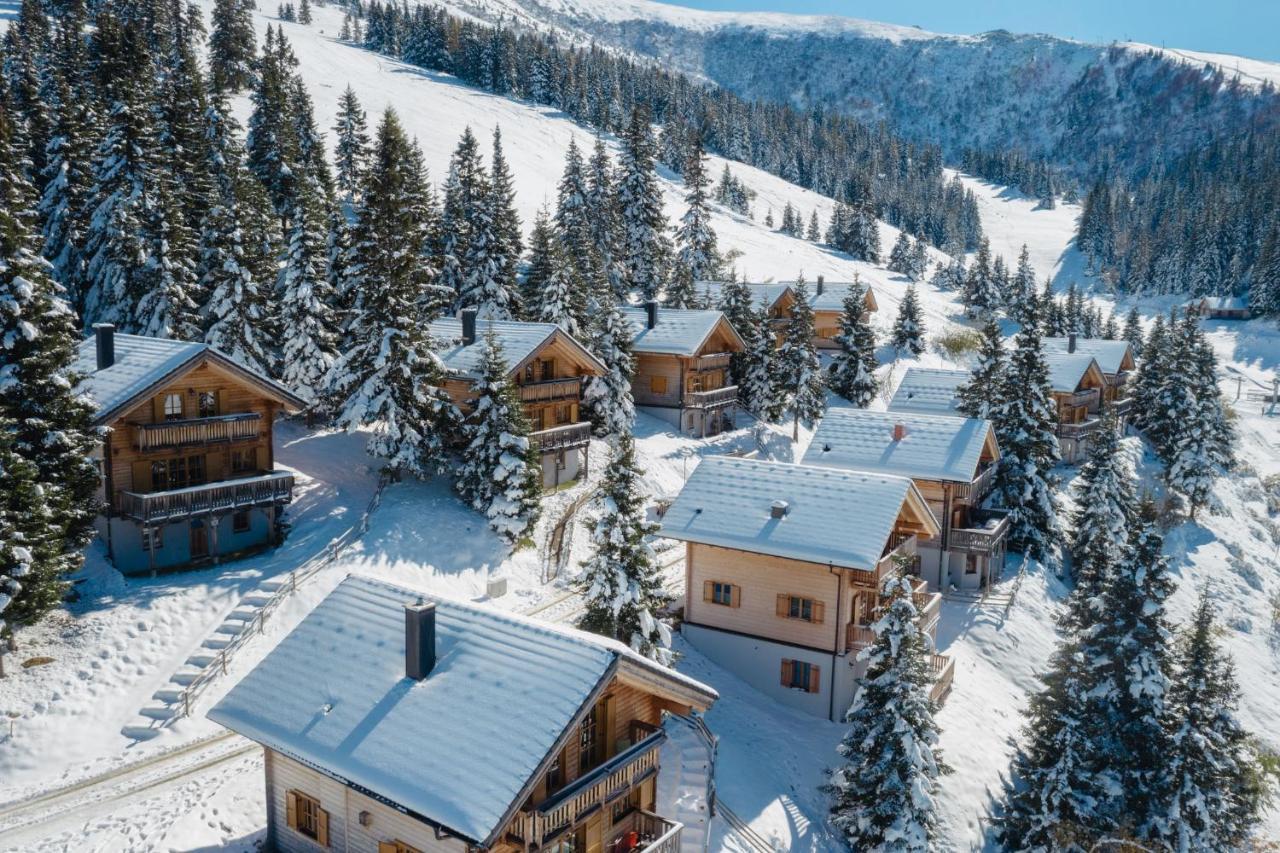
(222, 401)
(784, 604)
(215, 465)
(786, 673)
(260, 454)
(818, 608)
(322, 827)
(708, 590)
(605, 730)
(815, 675)
(291, 809)
(735, 596)
(142, 477)
(387, 847)
(157, 409)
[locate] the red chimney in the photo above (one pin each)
(899, 431)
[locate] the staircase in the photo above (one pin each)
(686, 785)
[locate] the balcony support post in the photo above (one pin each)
(151, 551)
(214, 551)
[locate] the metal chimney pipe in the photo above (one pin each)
(419, 639)
(105, 335)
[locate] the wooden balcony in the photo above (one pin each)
(1088, 398)
(220, 429)
(928, 607)
(541, 824)
(563, 437)
(979, 487)
(944, 672)
(1081, 429)
(657, 834)
(222, 496)
(551, 390)
(904, 546)
(711, 399)
(980, 540)
(711, 361)
(1122, 406)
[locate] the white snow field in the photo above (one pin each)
(125, 639)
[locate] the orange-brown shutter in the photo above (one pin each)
(222, 401)
(818, 608)
(157, 409)
(786, 672)
(708, 590)
(387, 847)
(322, 827)
(784, 604)
(260, 454)
(291, 809)
(815, 675)
(606, 726)
(142, 477)
(735, 599)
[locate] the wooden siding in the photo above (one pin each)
(649, 365)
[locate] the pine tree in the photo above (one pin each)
(853, 370)
(908, 327)
(351, 150)
(68, 181)
(981, 294)
(1133, 331)
(883, 797)
(979, 396)
(696, 256)
(758, 383)
(799, 371)
(308, 327)
(391, 377)
(1022, 289)
(644, 249)
(602, 213)
(466, 190)
(919, 261)
(607, 397)
(501, 473)
(508, 243)
(621, 581)
(573, 231)
(28, 589)
(304, 12)
(900, 255)
(814, 234)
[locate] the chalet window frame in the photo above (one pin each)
(207, 404)
(152, 537)
(240, 521)
(589, 740)
(244, 461)
(172, 406)
(801, 675)
(800, 608)
(721, 593)
(657, 385)
(307, 817)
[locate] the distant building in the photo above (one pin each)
(929, 391)
(188, 464)
(1220, 307)
(1077, 384)
(392, 721)
(1115, 360)
(777, 298)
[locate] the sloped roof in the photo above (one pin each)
(1068, 370)
(764, 294)
(928, 391)
(1110, 355)
(142, 363)
(936, 447)
(519, 341)
(1226, 303)
(457, 747)
(841, 518)
(833, 293)
(677, 332)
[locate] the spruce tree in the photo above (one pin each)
(900, 255)
(466, 191)
(308, 327)
(602, 213)
(68, 181)
(1022, 289)
(883, 796)
(621, 581)
(501, 473)
(979, 396)
(644, 249)
(908, 326)
(799, 371)
(814, 234)
(573, 231)
(759, 385)
(981, 294)
(1133, 332)
(548, 291)
(508, 242)
(30, 586)
(696, 256)
(607, 398)
(853, 370)
(351, 149)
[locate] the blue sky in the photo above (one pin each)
(1245, 27)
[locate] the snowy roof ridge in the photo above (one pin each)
(679, 331)
(764, 293)
(1109, 354)
(520, 339)
(935, 447)
(1068, 369)
(832, 516)
(928, 390)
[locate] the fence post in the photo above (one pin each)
(223, 657)
(186, 702)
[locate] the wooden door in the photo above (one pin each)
(199, 539)
(595, 833)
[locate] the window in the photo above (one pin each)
(195, 471)
(173, 407)
(152, 538)
(624, 806)
(548, 370)
(657, 384)
(305, 817)
(798, 607)
(240, 521)
(555, 774)
(243, 461)
(208, 405)
(564, 414)
(719, 592)
(588, 738)
(159, 476)
(800, 675)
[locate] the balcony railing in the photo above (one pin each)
(657, 834)
(1088, 397)
(905, 547)
(222, 496)
(564, 808)
(1122, 406)
(223, 428)
(711, 361)
(711, 399)
(944, 672)
(978, 488)
(1082, 429)
(551, 390)
(561, 437)
(981, 540)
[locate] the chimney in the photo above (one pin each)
(821, 284)
(651, 313)
(105, 333)
(468, 326)
(779, 509)
(899, 431)
(419, 639)
(1071, 342)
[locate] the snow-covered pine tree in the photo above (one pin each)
(573, 230)
(68, 180)
(979, 397)
(1025, 424)
(981, 295)
(814, 234)
(1022, 288)
(304, 12)
(1133, 332)
(908, 326)
(508, 243)
(607, 398)
(1215, 795)
(232, 45)
(501, 473)
(27, 591)
(853, 370)
(308, 327)
(602, 213)
(883, 795)
(644, 247)
(799, 378)
(391, 377)
(544, 288)
(697, 258)
(759, 385)
(351, 148)
(466, 188)
(900, 255)
(919, 260)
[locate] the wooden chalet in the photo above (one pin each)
(785, 567)
(548, 367)
(394, 721)
(187, 459)
(682, 367)
(1220, 307)
(775, 300)
(1115, 360)
(828, 308)
(951, 460)
(1077, 384)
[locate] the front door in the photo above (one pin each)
(199, 540)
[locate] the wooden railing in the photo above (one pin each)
(563, 809)
(711, 361)
(552, 389)
(979, 540)
(978, 488)
(1088, 397)
(561, 437)
(222, 496)
(944, 672)
(1083, 429)
(709, 399)
(657, 833)
(905, 547)
(224, 428)
(1122, 406)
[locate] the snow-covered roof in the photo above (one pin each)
(1068, 369)
(764, 295)
(833, 293)
(143, 363)
(1110, 355)
(1226, 303)
(928, 391)
(677, 332)
(836, 517)
(457, 747)
(935, 447)
(519, 342)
